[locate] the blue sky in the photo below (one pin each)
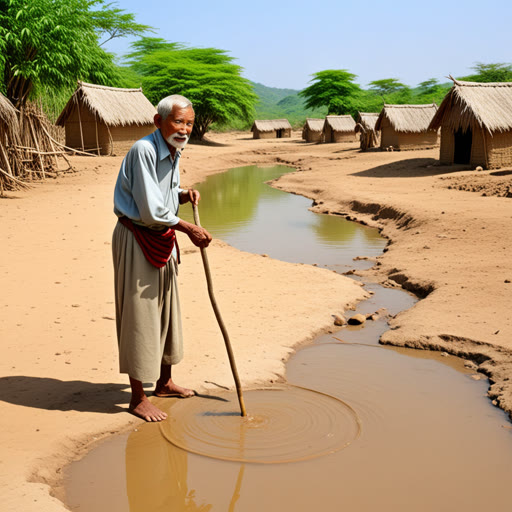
(280, 43)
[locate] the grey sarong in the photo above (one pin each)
(148, 316)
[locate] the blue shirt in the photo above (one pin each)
(148, 185)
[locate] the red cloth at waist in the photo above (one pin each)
(156, 245)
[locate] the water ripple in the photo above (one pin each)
(284, 424)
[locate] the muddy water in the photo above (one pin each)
(360, 426)
(241, 209)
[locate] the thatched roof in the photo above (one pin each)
(7, 112)
(314, 125)
(271, 125)
(113, 106)
(344, 123)
(407, 118)
(489, 104)
(367, 120)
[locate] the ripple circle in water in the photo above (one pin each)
(287, 424)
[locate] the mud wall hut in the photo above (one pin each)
(407, 127)
(476, 124)
(312, 131)
(339, 129)
(271, 129)
(365, 126)
(102, 119)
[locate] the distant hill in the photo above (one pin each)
(275, 103)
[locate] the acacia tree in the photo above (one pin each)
(431, 91)
(333, 88)
(49, 44)
(207, 76)
(391, 90)
(495, 72)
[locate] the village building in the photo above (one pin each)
(339, 129)
(101, 119)
(405, 127)
(10, 164)
(476, 124)
(365, 126)
(312, 131)
(9, 133)
(271, 129)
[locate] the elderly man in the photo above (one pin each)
(146, 200)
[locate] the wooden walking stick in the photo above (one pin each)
(219, 318)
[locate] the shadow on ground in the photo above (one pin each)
(207, 142)
(411, 168)
(73, 395)
(58, 395)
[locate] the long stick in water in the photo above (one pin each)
(219, 319)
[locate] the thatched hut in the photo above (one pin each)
(312, 131)
(407, 127)
(365, 125)
(99, 118)
(339, 129)
(10, 165)
(271, 129)
(476, 124)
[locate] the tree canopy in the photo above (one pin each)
(391, 91)
(334, 89)
(206, 76)
(49, 44)
(494, 72)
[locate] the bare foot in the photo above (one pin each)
(146, 410)
(169, 389)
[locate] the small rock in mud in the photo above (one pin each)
(339, 320)
(378, 314)
(265, 255)
(357, 319)
(445, 354)
(477, 377)
(470, 364)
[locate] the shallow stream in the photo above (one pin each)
(359, 427)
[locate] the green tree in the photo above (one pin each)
(207, 76)
(430, 91)
(334, 89)
(386, 86)
(496, 72)
(49, 44)
(391, 90)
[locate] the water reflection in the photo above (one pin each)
(238, 207)
(156, 477)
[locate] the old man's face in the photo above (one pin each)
(177, 126)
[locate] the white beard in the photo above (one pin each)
(173, 142)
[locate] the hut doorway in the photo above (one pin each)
(462, 149)
(279, 134)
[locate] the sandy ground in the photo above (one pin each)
(60, 389)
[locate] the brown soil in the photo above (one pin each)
(491, 183)
(60, 386)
